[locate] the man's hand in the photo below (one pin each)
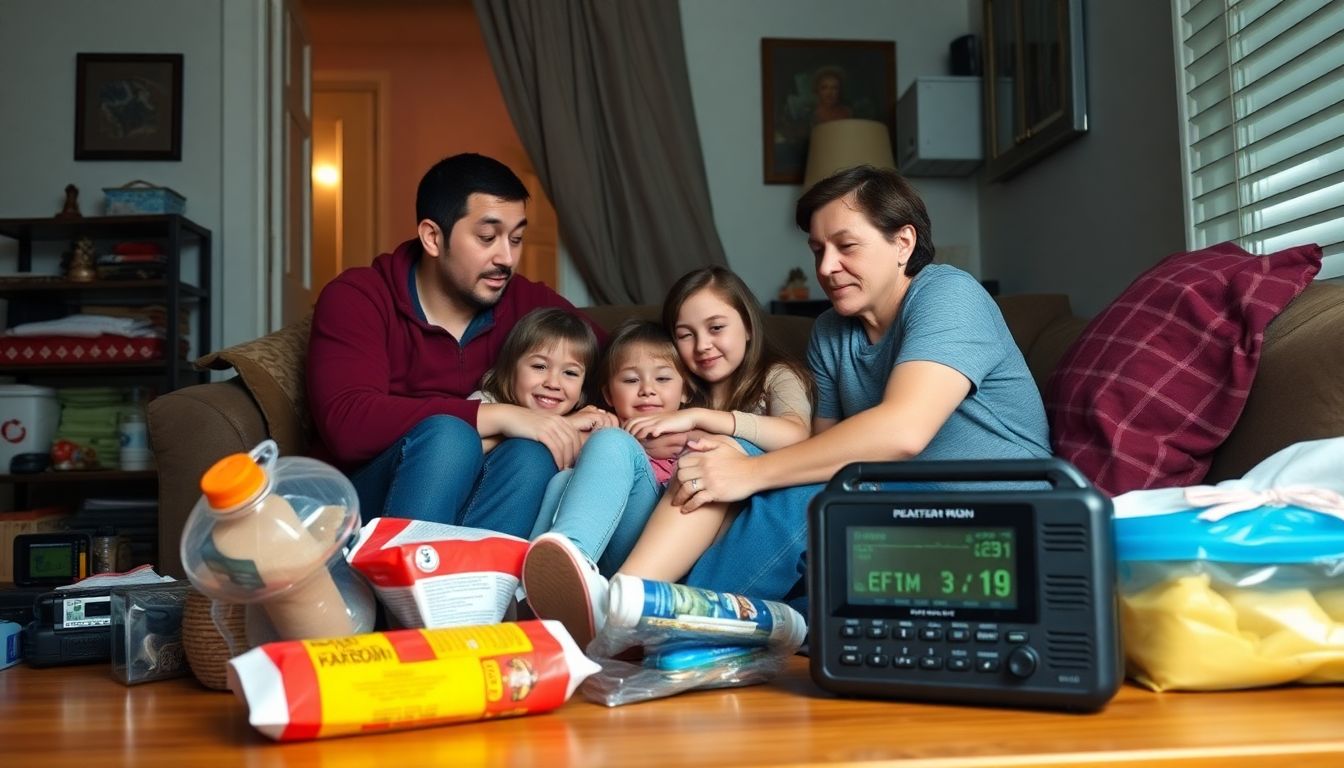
(712, 471)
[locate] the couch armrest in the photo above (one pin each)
(189, 430)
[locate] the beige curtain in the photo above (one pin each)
(599, 94)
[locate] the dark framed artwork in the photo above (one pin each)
(128, 106)
(805, 82)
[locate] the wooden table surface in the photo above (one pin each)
(80, 716)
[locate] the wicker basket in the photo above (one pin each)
(207, 652)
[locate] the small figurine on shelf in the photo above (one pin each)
(81, 262)
(795, 286)
(71, 208)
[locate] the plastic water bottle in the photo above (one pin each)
(271, 531)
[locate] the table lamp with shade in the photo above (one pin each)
(839, 144)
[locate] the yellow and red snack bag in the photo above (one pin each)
(411, 678)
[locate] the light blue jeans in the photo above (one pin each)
(603, 503)
(437, 472)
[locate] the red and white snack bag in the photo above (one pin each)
(407, 678)
(437, 575)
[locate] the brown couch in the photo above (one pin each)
(1297, 394)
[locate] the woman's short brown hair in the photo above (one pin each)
(884, 197)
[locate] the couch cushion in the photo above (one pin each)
(272, 367)
(1158, 379)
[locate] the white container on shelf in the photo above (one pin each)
(28, 419)
(938, 127)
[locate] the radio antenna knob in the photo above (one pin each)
(1022, 662)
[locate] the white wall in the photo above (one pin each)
(1089, 218)
(723, 53)
(218, 40)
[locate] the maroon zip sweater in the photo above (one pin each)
(376, 369)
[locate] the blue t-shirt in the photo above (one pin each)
(947, 318)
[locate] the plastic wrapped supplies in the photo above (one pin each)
(1237, 585)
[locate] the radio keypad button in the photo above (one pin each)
(904, 662)
(875, 633)
(958, 635)
(931, 633)
(958, 663)
(879, 660)
(1017, 637)
(986, 636)
(851, 659)
(986, 664)
(903, 633)
(930, 662)
(849, 630)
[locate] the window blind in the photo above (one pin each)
(1261, 90)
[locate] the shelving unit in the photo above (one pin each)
(176, 235)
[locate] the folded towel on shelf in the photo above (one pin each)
(88, 326)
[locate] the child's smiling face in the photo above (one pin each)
(644, 383)
(549, 379)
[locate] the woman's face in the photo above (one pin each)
(828, 90)
(644, 382)
(859, 269)
(549, 379)
(711, 336)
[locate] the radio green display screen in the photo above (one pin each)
(953, 566)
(47, 561)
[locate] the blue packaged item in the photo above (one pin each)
(1237, 585)
(11, 644)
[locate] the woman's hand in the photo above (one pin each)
(659, 424)
(713, 471)
(668, 446)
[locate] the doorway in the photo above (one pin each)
(349, 171)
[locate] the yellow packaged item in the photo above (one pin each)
(383, 681)
(1238, 585)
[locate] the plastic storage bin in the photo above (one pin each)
(28, 419)
(147, 631)
(142, 198)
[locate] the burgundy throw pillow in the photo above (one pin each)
(1158, 379)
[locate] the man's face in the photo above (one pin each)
(482, 249)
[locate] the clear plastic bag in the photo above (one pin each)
(692, 638)
(1246, 588)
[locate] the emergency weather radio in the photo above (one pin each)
(975, 596)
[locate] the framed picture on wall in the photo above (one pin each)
(805, 82)
(128, 106)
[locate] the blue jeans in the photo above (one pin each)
(437, 472)
(762, 553)
(603, 503)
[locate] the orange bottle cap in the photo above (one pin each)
(232, 480)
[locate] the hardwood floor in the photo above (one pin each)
(81, 717)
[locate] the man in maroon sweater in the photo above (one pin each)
(398, 346)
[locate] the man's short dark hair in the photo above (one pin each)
(444, 189)
(884, 197)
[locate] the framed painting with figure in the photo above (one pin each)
(805, 82)
(128, 106)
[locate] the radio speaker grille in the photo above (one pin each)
(1064, 537)
(1067, 593)
(1068, 650)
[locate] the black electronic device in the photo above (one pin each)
(964, 56)
(1002, 597)
(71, 626)
(50, 559)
